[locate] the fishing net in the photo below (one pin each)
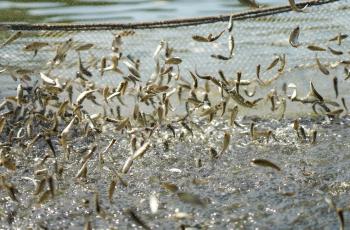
(259, 37)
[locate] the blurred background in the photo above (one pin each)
(88, 11)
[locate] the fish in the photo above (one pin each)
(19, 97)
(186, 127)
(82, 171)
(87, 225)
(282, 59)
(199, 38)
(209, 38)
(315, 48)
(227, 138)
(82, 69)
(126, 167)
(231, 45)
(39, 187)
(339, 38)
(294, 7)
(283, 105)
(51, 184)
(49, 143)
(8, 163)
(12, 38)
(84, 47)
(314, 93)
(41, 172)
(340, 214)
(84, 95)
(344, 105)
(321, 67)
(181, 216)
(223, 78)
(198, 162)
(220, 57)
(111, 190)
(313, 136)
(44, 197)
(294, 36)
(230, 24)
(258, 67)
(98, 208)
(153, 203)
(67, 129)
(265, 163)
(335, 84)
(335, 52)
(158, 50)
(250, 3)
(35, 46)
(117, 43)
(213, 153)
(347, 73)
(141, 151)
(2, 123)
(88, 155)
(132, 69)
(302, 132)
(273, 63)
(250, 94)
(61, 51)
(191, 199)
(173, 61)
(233, 115)
(169, 186)
(132, 214)
(103, 65)
(334, 113)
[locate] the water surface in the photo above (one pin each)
(117, 11)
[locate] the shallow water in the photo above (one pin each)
(236, 194)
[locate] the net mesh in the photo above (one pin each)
(259, 37)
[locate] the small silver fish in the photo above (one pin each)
(295, 7)
(153, 203)
(273, 63)
(315, 48)
(321, 67)
(209, 38)
(231, 44)
(294, 36)
(335, 52)
(35, 46)
(220, 57)
(191, 199)
(230, 24)
(265, 163)
(335, 84)
(226, 143)
(132, 214)
(12, 38)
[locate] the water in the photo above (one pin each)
(236, 194)
(88, 11)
